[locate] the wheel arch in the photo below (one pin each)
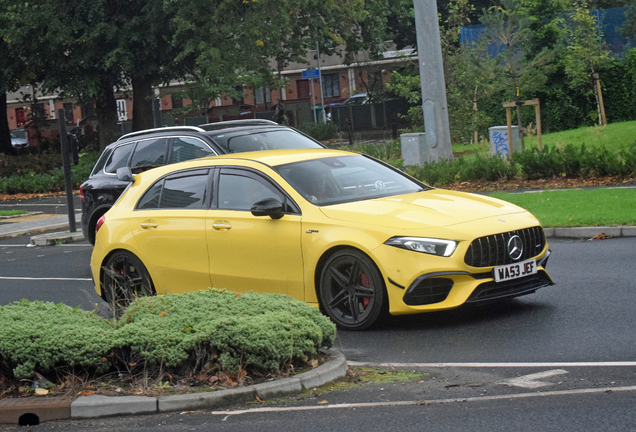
(92, 221)
(105, 260)
(325, 257)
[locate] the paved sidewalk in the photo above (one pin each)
(31, 225)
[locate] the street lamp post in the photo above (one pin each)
(429, 50)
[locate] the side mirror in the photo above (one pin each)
(268, 207)
(124, 174)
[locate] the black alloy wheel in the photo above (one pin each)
(352, 291)
(124, 278)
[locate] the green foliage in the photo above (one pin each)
(41, 336)
(321, 131)
(38, 174)
(387, 151)
(537, 164)
(258, 330)
(486, 168)
(185, 332)
(572, 161)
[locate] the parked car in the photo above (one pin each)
(358, 99)
(156, 147)
(336, 229)
(18, 142)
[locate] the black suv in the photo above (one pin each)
(155, 147)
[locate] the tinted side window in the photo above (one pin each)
(150, 152)
(184, 148)
(188, 189)
(239, 192)
(118, 158)
(185, 191)
(150, 200)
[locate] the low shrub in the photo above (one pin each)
(321, 131)
(45, 177)
(212, 329)
(42, 337)
(263, 331)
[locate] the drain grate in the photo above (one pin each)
(34, 410)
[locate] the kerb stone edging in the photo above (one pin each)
(102, 406)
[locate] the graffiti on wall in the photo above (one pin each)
(500, 139)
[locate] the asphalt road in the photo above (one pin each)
(588, 316)
(46, 204)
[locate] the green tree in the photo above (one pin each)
(585, 52)
(515, 69)
(65, 47)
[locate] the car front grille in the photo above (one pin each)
(493, 250)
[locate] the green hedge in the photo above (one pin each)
(570, 161)
(43, 177)
(183, 333)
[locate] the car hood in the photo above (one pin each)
(421, 210)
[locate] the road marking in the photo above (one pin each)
(532, 381)
(494, 365)
(430, 402)
(43, 279)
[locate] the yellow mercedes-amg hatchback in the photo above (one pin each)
(335, 229)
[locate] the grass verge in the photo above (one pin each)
(11, 212)
(573, 208)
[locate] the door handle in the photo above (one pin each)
(221, 225)
(149, 224)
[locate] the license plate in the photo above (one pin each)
(515, 271)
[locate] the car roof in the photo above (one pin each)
(211, 130)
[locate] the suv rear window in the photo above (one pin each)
(270, 140)
(150, 152)
(118, 158)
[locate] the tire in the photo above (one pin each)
(352, 291)
(124, 278)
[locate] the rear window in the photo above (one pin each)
(118, 158)
(278, 139)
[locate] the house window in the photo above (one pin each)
(88, 110)
(177, 102)
(331, 85)
(39, 110)
(122, 113)
(263, 95)
(68, 112)
(20, 117)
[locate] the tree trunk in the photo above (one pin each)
(5, 136)
(106, 111)
(142, 103)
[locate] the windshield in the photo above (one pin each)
(280, 139)
(346, 179)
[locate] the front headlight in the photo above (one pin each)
(425, 245)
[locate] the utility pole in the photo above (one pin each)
(429, 51)
(322, 93)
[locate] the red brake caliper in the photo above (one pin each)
(364, 281)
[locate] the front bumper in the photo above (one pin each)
(443, 289)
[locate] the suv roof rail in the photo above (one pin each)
(162, 129)
(230, 123)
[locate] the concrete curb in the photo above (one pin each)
(52, 239)
(102, 406)
(590, 232)
(17, 229)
